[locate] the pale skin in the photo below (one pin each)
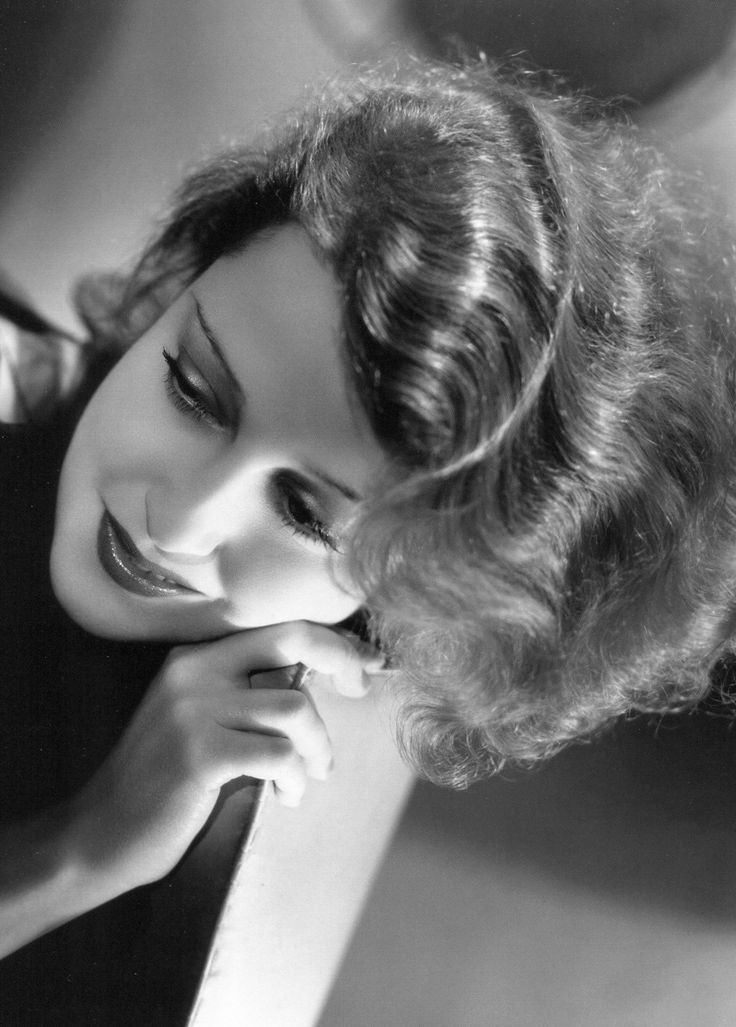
(229, 471)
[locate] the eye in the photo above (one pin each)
(299, 510)
(189, 397)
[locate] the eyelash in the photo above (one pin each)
(184, 396)
(297, 515)
(289, 495)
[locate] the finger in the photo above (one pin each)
(266, 758)
(290, 714)
(343, 658)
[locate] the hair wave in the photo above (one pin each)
(538, 321)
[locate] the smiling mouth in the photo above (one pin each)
(128, 568)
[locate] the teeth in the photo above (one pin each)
(148, 573)
(128, 555)
(157, 577)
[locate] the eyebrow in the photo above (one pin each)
(316, 472)
(334, 483)
(218, 351)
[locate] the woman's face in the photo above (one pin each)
(210, 483)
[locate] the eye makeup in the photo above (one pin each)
(190, 393)
(199, 379)
(301, 510)
(224, 381)
(291, 496)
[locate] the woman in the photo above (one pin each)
(450, 352)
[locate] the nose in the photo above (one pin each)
(192, 520)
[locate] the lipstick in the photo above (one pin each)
(129, 569)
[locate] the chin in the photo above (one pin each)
(103, 609)
(87, 608)
(90, 600)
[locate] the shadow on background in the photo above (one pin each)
(636, 48)
(645, 814)
(47, 50)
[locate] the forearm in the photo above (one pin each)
(43, 883)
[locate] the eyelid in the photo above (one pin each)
(196, 378)
(318, 496)
(232, 395)
(292, 485)
(201, 404)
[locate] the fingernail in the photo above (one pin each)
(374, 662)
(368, 652)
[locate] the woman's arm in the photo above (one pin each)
(201, 724)
(43, 882)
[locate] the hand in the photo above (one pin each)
(201, 724)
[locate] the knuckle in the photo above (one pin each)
(181, 667)
(282, 751)
(294, 706)
(287, 766)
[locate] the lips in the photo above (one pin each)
(129, 569)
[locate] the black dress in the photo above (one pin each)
(65, 698)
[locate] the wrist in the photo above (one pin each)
(43, 881)
(90, 856)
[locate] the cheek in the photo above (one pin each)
(129, 421)
(269, 582)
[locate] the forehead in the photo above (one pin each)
(277, 285)
(275, 310)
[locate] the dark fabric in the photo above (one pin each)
(24, 317)
(65, 694)
(65, 697)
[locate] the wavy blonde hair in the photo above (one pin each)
(538, 321)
